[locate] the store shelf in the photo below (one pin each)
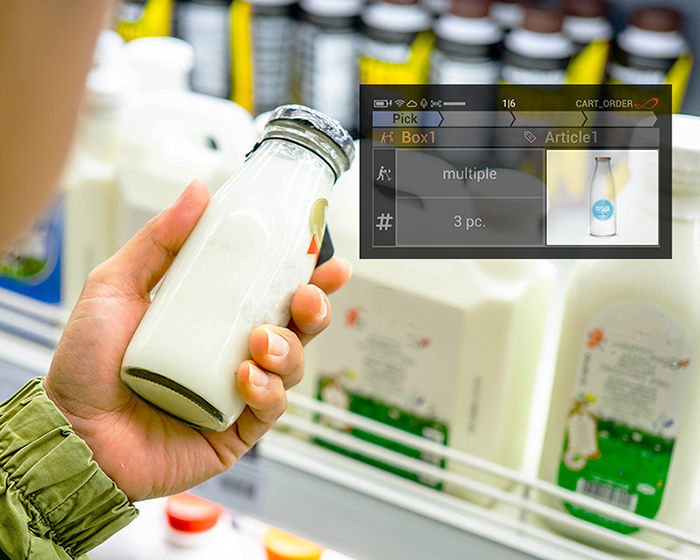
(366, 512)
(31, 319)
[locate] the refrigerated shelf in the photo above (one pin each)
(352, 507)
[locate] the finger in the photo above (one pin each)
(331, 275)
(138, 266)
(279, 351)
(311, 312)
(264, 394)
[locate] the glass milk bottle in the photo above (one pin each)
(255, 245)
(624, 413)
(601, 197)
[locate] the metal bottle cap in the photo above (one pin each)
(296, 118)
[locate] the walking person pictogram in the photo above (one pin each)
(384, 174)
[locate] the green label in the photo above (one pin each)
(332, 391)
(626, 412)
(392, 356)
(629, 470)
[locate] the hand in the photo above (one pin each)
(146, 453)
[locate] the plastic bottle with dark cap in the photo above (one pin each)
(467, 45)
(326, 73)
(391, 29)
(652, 50)
(586, 21)
(204, 24)
(539, 52)
(436, 7)
(508, 14)
(262, 36)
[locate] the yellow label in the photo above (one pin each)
(678, 78)
(241, 55)
(588, 66)
(155, 21)
(413, 71)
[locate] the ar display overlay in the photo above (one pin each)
(506, 171)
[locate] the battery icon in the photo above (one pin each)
(381, 103)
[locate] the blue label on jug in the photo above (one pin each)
(32, 266)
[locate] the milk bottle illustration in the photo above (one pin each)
(257, 242)
(601, 197)
(583, 437)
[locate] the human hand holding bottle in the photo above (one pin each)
(145, 452)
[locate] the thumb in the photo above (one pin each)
(138, 266)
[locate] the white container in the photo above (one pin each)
(109, 46)
(259, 123)
(624, 414)
(444, 349)
(602, 201)
(90, 182)
(159, 63)
(171, 138)
(253, 247)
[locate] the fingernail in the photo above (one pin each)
(257, 377)
(324, 306)
(277, 345)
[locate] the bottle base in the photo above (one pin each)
(603, 234)
(173, 399)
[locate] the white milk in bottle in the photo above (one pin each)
(625, 408)
(256, 243)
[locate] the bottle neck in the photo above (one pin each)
(298, 164)
(311, 140)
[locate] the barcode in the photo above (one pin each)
(608, 494)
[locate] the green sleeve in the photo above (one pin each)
(55, 502)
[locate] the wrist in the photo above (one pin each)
(68, 498)
(79, 426)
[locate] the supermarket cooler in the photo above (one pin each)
(351, 507)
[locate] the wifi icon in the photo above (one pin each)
(399, 103)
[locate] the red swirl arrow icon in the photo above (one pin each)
(648, 104)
